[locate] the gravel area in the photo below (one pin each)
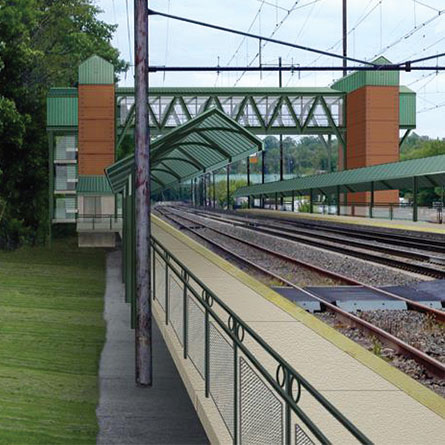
(369, 228)
(369, 273)
(412, 327)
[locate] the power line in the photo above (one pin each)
(248, 30)
(423, 110)
(115, 21)
(277, 27)
(167, 38)
(258, 37)
(410, 33)
(362, 18)
(129, 36)
(426, 6)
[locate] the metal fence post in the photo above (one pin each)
(207, 353)
(166, 289)
(235, 388)
(287, 420)
(185, 315)
(153, 290)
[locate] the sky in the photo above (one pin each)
(398, 29)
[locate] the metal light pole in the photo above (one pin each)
(280, 84)
(143, 330)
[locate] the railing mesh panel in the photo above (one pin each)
(261, 413)
(222, 375)
(301, 438)
(160, 283)
(176, 304)
(195, 334)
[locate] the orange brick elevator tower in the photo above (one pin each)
(96, 116)
(372, 124)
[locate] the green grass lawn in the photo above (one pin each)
(51, 337)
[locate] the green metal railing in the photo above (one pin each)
(257, 392)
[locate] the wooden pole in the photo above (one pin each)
(143, 328)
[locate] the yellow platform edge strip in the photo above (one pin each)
(399, 379)
(345, 220)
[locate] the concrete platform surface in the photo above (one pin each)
(162, 414)
(385, 404)
(374, 222)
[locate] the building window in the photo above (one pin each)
(65, 148)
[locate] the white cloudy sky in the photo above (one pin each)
(398, 29)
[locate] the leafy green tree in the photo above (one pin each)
(42, 42)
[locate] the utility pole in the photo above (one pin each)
(280, 84)
(143, 330)
(345, 36)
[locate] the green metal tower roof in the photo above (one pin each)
(96, 71)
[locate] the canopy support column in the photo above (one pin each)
(371, 202)
(214, 190)
(228, 186)
(338, 201)
(249, 199)
(329, 153)
(293, 201)
(263, 166)
(415, 190)
(191, 191)
(311, 201)
(276, 201)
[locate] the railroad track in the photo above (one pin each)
(420, 262)
(434, 366)
(370, 233)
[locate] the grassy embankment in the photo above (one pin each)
(51, 336)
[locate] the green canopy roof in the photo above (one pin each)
(208, 142)
(397, 175)
(93, 185)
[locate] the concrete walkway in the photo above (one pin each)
(131, 415)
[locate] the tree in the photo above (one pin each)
(42, 42)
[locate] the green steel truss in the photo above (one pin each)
(260, 110)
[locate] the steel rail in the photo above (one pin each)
(434, 366)
(360, 244)
(416, 268)
(413, 305)
(412, 241)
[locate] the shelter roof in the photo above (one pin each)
(397, 175)
(206, 143)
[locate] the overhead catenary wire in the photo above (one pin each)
(130, 46)
(266, 39)
(365, 14)
(261, 46)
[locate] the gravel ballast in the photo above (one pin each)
(412, 327)
(367, 272)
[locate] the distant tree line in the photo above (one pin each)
(42, 43)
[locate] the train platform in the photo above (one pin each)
(386, 405)
(354, 220)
